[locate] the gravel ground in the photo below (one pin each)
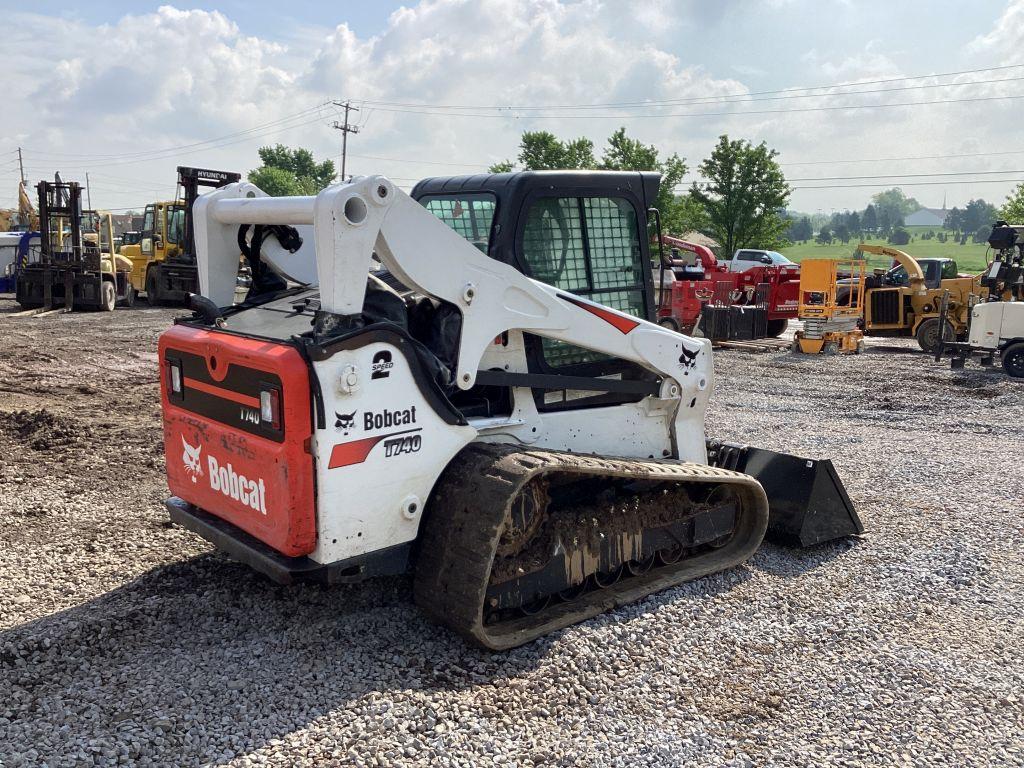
(126, 640)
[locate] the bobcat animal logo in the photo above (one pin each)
(688, 359)
(191, 459)
(345, 421)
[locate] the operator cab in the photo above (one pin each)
(582, 231)
(935, 271)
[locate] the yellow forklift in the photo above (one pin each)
(163, 260)
(831, 307)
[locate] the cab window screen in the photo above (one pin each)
(469, 215)
(553, 244)
(591, 247)
(615, 259)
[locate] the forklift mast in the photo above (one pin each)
(191, 179)
(60, 201)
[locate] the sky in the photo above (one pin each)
(856, 96)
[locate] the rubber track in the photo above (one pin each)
(467, 511)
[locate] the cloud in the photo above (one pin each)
(1004, 39)
(176, 78)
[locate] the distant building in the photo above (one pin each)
(927, 217)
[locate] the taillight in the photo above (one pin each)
(173, 371)
(270, 407)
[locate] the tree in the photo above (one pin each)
(276, 182)
(896, 200)
(626, 154)
(291, 172)
(869, 221)
(743, 194)
(954, 220)
(543, 151)
(1013, 209)
(799, 230)
(981, 233)
(978, 214)
(842, 232)
(824, 236)
(891, 206)
(853, 222)
(899, 236)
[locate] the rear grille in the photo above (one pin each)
(885, 306)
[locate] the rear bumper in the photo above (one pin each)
(281, 568)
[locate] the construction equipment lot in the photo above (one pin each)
(123, 638)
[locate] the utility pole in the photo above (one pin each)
(21, 167)
(345, 129)
(88, 192)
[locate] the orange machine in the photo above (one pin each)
(831, 324)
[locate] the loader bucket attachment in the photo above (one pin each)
(807, 501)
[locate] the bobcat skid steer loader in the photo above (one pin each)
(399, 394)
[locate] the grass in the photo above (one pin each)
(969, 258)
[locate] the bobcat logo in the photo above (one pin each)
(191, 459)
(688, 359)
(345, 421)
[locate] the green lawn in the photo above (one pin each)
(969, 257)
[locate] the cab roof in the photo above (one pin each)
(517, 184)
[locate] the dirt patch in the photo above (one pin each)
(44, 430)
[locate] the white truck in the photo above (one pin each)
(748, 258)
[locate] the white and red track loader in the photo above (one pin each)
(439, 385)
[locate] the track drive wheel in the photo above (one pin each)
(670, 323)
(777, 327)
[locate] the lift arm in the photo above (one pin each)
(368, 215)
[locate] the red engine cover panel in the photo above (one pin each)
(221, 456)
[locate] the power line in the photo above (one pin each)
(693, 98)
(640, 116)
(916, 184)
(902, 159)
(168, 154)
(120, 155)
(903, 175)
